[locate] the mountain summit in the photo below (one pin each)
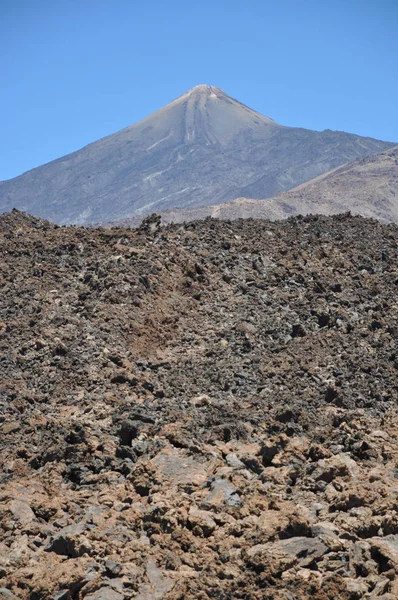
(203, 148)
(211, 116)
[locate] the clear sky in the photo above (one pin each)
(73, 71)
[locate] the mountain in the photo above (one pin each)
(367, 186)
(203, 148)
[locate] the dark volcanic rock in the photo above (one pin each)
(248, 451)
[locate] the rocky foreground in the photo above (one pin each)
(199, 411)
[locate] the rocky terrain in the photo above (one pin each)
(199, 411)
(367, 186)
(203, 148)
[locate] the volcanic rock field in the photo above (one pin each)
(202, 410)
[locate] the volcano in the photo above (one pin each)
(204, 148)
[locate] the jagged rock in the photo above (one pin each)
(70, 542)
(21, 512)
(245, 474)
(6, 594)
(105, 593)
(63, 595)
(201, 522)
(306, 550)
(112, 567)
(158, 585)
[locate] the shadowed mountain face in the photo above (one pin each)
(203, 148)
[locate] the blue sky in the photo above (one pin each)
(73, 71)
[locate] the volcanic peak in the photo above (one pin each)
(203, 148)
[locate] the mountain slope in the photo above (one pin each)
(203, 148)
(367, 187)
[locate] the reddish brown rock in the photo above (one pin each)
(206, 410)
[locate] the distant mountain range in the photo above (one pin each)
(367, 186)
(202, 149)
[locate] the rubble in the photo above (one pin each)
(205, 410)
